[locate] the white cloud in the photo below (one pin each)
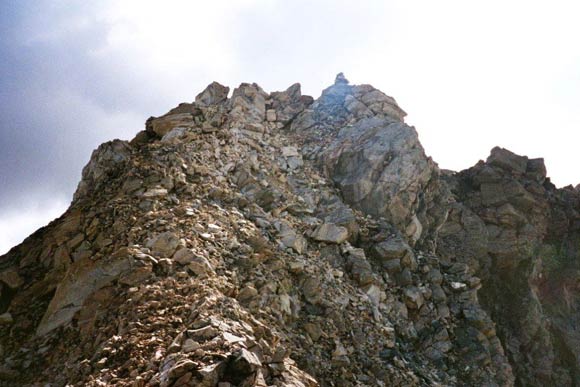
(475, 75)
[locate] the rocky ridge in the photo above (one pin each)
(272, 239)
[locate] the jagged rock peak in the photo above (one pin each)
(272, 239)
(213, 94)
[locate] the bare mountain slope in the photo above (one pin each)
(272, 239)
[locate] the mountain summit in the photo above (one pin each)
(269, 239)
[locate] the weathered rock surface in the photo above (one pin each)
(520, 233)
(270, 239)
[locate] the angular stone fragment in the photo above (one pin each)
(244, 362)
(247, 294)
(270, 115)
(164, 244)
(165, 124)
(330, 233)
(184, 256)
(289, 103)
(311, 288)
(394, 248)
(180, 368)
(359, 267)
(413, 297)
(507, 160)
(291, 238)
(155, 193)
(313, 331)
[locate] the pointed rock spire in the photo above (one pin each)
(340, 79)
(214, 93)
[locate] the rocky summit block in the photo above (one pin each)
(272, 239)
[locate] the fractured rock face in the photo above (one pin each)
(105, 161)
(82, 279)
(248, 109)
(269, 239)
(375, 159)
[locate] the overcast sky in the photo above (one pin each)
(471, 75)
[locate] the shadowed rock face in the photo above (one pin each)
(527, 248)
(273, 239)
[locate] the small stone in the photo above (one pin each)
(374, 293)
(291, 238)
(408, 261)
(232, 338)
(359, 267)
(474, 283)
(206, 236)
(427, 293)
(173, 135)
(285, 304)
(340, 355)
(210, 374)
(183, 380)
(200, 266)
(290, 151)
(213, 228)
(339, 350)
(458, 286)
